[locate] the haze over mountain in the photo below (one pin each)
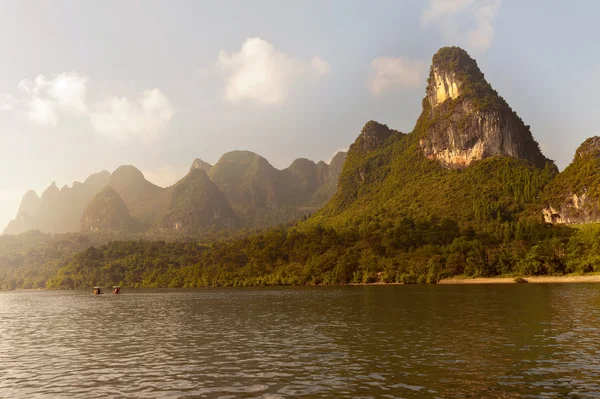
(260, 195)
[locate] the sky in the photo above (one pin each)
(89, 86)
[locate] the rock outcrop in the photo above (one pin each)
(573, 197)
(466, 120)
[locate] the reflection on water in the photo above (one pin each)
(503, 341)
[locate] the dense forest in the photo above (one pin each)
(407, 251)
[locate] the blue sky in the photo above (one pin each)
(87, 86)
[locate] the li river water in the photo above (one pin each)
(497, 341)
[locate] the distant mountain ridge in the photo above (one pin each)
(57, 211)
(241, 190)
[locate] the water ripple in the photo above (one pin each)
(533, 341)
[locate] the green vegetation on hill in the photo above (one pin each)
(397, 180)
(107, 212)
(28, 260)
(196, 206)
(582, 176)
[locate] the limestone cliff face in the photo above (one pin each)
(466, 119)
(573, 197)
(574, 209)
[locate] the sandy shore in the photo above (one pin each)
(595, 278)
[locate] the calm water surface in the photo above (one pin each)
(533, 341)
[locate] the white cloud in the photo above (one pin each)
(45, 100)
(42, 112)
(259, 72)
(320, 66)
(389, 73)
(45, 97)
(146, 119)
(449, 16)
(68, 90)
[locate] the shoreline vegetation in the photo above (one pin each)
(456, 280)
(589, 278)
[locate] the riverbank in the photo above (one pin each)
(591, 278)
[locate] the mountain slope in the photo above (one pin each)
(106, 212)
(143, 199)
(196, 206)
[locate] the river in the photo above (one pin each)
(428, 341)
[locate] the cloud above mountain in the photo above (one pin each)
(45, 100)
(45, 97)
(464, 21)
(146, 118)
(260, 73)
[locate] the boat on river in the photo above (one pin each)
(98, 291)
(116, 290)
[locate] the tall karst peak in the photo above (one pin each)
(465, 120)
(451, 68)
